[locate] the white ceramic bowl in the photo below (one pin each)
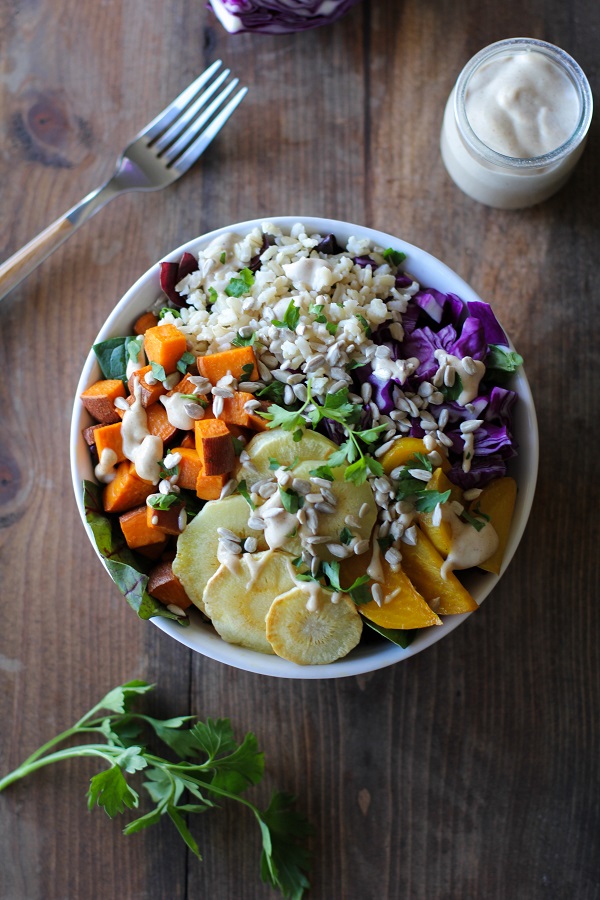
(368, 656)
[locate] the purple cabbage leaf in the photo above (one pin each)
(278, 16)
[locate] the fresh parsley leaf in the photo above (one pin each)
(454, 392)
(239, 286)
(476, 518)
(242, 489)
(297, 435)
(163, 501)
(240, 341)
(247, 371)
(186, 360)
(167, 309)
(428, 500)
(394, 256)
(212, 295)
(290, 319)
(345, 535)
(223, 258)
(357, 472)
(292, 501)
(158, 371)
(317, 310)
(211, 766)
(273, 391)
(332, 327)
(322, 472)
(364, 324)
(133, 347)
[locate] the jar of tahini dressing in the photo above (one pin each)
(516, 123)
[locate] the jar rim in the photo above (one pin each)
(571, 68)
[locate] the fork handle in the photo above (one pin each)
(25, 260)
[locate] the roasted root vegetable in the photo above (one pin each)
(190, 466)
(99, 400)
(166, 587)
(108, 437)
(137, 532)
(236, 362)
(423, 564)
(170, 520)
(149, 391)
(497, 500)
(209, 487)
(214, 446)
(165, 345)
(126, 490)
(146, 320)
(439, 533)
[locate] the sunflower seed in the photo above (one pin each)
(377, 593)
(217, 406)
(229, 488)
(250, 545)
(338, 550)
(325, 508)
(361, 547)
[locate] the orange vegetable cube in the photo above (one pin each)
(126, 490)
(99, 399)
(215, 365)
(149, 392)
(164, 585)
(170, 521)
(146, 320)
(108, 437)
(165, 345)
(209, 487)
(190, 467)
(136, 531)
(214, 446)
(158, 423)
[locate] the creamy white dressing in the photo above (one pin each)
(142, 448)
(227, 560)
(388, 369)
(134, 365)
(310, 274)
(256, 563)
(277, 528)
(522, 104)
(468, 547)
(375, 568)
(175, 408)
(216, 274)
(105, 471)
(470, 380)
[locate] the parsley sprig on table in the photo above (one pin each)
(209, 764)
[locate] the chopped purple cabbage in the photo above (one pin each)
(278, 16)
(483, 470)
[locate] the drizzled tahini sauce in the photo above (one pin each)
(105, 471)
(279, 528)
(470, 374)
(311, 274)
(468, 547)
(145, 450)
(214, 273)
(175, 409)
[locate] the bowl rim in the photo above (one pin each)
(201, 637)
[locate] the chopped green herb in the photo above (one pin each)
(167, 309)
(212, 295)
(186, 360)
(317, 310)
(428, 500)
(364, 324)
(357, 588)
(291, 318)
(345, 535)
(292, 500)
(247, 371)
(322, 472)
(134, 345)
(297, 435)
(242, 489)
(158, 371)
(163, 501)
(237, 446)
(273, 391)
(385, 542)
(394, 256)
(240, 341)
(239, 286)
(332, 327)
(223, 257)
(452, 393)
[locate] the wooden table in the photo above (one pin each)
(469, 772)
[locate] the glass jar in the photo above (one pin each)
(509, 179)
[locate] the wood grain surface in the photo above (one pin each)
(469, 772)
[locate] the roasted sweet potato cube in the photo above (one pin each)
(215, 365)
(170, 521)
(154, 551)
(209, 487)
(214, 446)
(185, 386)
(158, 423)
(165, 345)
(256, 422)
(108, 437)
(163, 585)
(146, 320)
(126, 490)
(136, 531)
(233, 409)
(99, 400)
(188, 440)
(149, 392)
(190, 467)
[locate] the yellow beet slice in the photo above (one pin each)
(312, 637)
(497, 500)
(403, 451)
(402, 607)
(237, 600)
(422, 563)
(440, 535)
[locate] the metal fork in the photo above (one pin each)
(162, 152)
